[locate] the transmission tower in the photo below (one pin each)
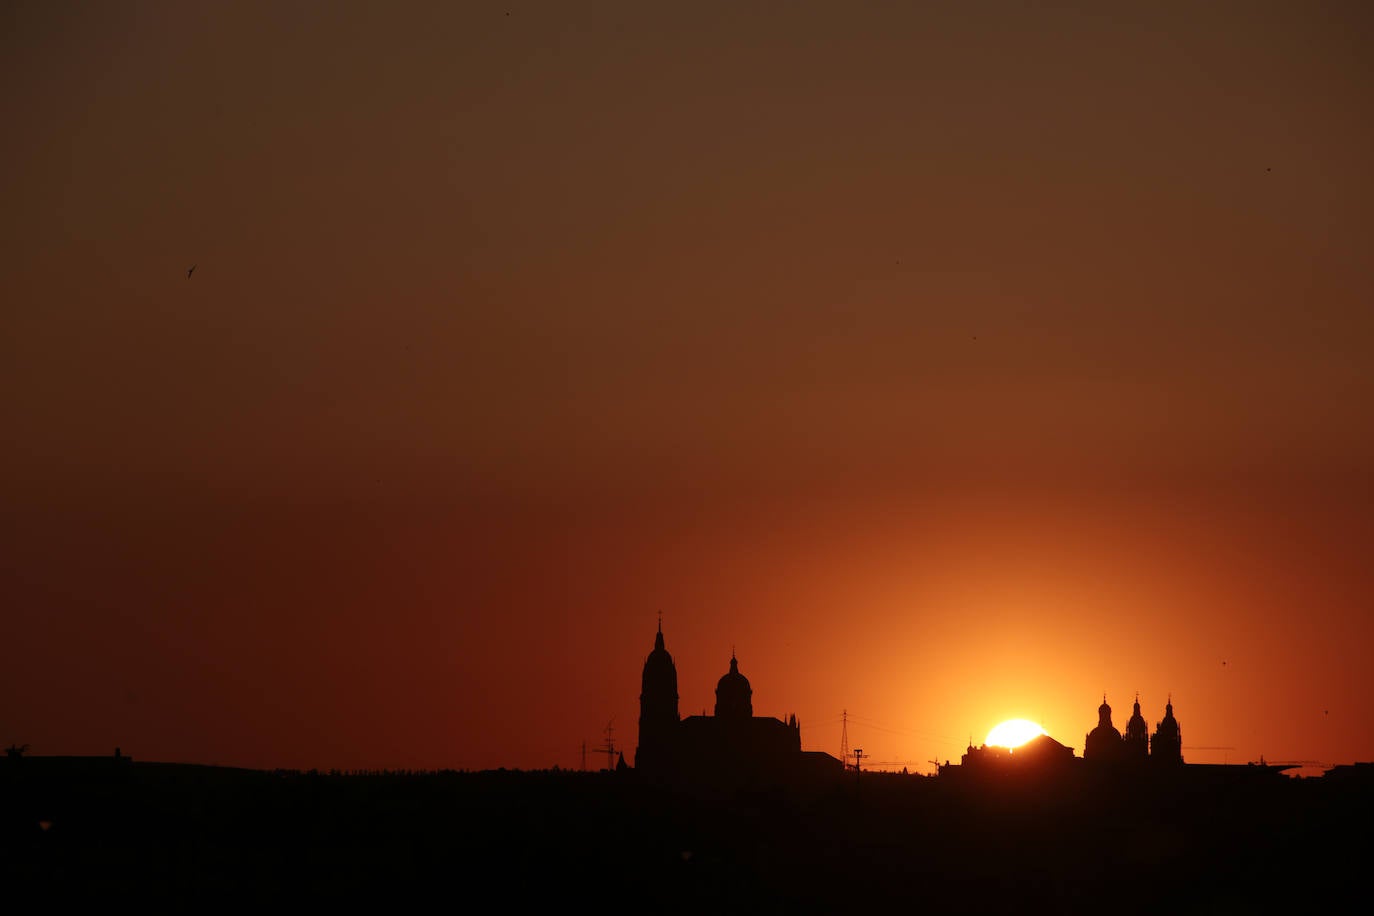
(844, 736)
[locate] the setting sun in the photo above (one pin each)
(1013, 733)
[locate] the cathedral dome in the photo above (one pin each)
(734, 696)
(1104, 741)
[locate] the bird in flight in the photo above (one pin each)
(191, 271)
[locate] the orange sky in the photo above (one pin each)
(947, 362)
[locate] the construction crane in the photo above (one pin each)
(1226, 749)
(889, 765)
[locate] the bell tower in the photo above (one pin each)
(1137, 737)
(658, 712)
(1167, 744)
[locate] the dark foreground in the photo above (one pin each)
(167, 836)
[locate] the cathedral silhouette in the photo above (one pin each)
(732, 748)
(1104, 744)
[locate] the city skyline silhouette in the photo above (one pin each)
(681, 748)
(983, 835)
(638, 455)
(722, 810)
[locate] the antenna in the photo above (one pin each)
(609, 747)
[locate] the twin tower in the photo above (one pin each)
(1107, 745)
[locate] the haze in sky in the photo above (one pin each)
(374, 375)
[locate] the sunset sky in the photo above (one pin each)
(946, 362)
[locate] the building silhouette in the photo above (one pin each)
(1166, 745)
(1040, 756)
(1105, 750)
(1105, 745)
(730, 748)
(1137, 736)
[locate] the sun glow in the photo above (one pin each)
(1013, 733)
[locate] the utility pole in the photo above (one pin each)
(858, 757)
(844, 736)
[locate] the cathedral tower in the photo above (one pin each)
(1137, 737)
(658, 714)
(1166, 746)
